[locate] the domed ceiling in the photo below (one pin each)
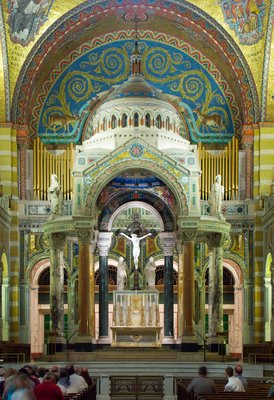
(186, 53)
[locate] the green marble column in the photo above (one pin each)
(57, 244)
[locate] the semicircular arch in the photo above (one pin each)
(136, 204)
(113, 171)
(181, 15)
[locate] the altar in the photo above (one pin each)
(136, 320)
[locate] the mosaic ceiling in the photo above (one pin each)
(208, 56)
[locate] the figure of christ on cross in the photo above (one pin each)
(136, 245)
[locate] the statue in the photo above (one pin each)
(215, 198)
(121, 274)
(54, 193)
(136, 245)
(150, 273)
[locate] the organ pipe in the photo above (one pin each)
(46, 164)
(220, 161)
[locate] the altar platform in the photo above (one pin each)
(136, 321)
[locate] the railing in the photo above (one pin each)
(254, 358)
(137, 387)
(13, 357)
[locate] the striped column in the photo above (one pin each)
(9, 179)
(263, 176)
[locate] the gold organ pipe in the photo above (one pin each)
(68, 172)
(202, 170)
(38, 169)
(45, 164)
(233, 168)
(71, 168)
(226, 163)
(35, 169)
(65, 176)
(226, 172)
(237, 167)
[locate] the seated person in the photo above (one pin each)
(234, 384)
(202, 384)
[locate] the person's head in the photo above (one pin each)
(42, 372)
(151, 259)
(70, 369)
(2, 372)
(49, 377)
(22, 380)
(77, 370)
(63, 373)
(229, 372)
(238, 369)
(55, 369)
(202, 371)
(10, 372)
(121, 260)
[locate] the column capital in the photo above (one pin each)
(216, 240)
(57, 240)
(167, 240)
(247, 138)
(187, 235)
(104, 242)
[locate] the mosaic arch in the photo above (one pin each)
(173, 70)
(185, 23)
(94, 185)
(149, 198)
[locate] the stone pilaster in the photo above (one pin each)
(23, 145)
(168, 244)
(247, 145)
(57, 244)
(103, 244)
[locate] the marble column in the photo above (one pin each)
(168, 244)
(188, 287)
(92, 288)
(180, 251)
(57, 244)
(84, 294)
(215, 295)
(104, 242)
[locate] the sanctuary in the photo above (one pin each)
(136, 176)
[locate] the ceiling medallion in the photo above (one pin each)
(136, 150)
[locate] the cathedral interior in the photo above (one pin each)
(116, 118)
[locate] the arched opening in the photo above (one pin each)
(147, 120)
(268, 297)
(104, 124)
(40, 306)
(232, 305)
(124, 120)
(114, 122)
(136, 119)
(158, 122)
(4, 301)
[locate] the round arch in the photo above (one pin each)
(234, 311)
(185, 13)
(268, 290)
(4, 297)
(136, 204)
(112, 171)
